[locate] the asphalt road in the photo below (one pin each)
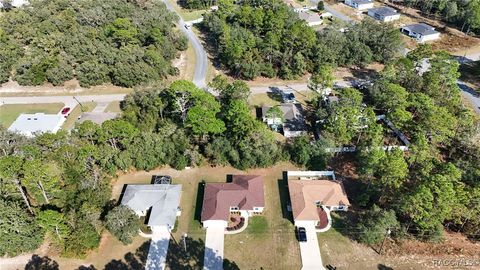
(201, 64)
(69, 101)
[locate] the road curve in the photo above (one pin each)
(200, 74)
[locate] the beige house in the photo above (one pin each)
(312, 199)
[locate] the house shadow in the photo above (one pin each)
(199, 201)
(284, 197)
(383, 267)
(41, 263)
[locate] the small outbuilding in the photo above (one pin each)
(421, 32)
(360, 4)
(31, 124)
(384, 14)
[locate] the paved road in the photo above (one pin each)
(471, 95)
(200, 74)
(69, 101)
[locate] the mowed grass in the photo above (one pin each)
(10, 112)
(269, 234)
(76, 112)
(113, 107)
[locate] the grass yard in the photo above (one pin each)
(113, 107)
(187, 15)
(10, 112)
(76, 112)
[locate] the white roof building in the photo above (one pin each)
(16, 3)
(30, 124)
(162, 199)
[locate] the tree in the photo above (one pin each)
(42, 181)
(276, 114)
(10, 167)
(123, 223)
(18, 230)
(321, 79)
(320, 6)
(202, 117)
(53, 222)
(374, 224)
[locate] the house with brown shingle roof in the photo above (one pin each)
(244, 194)
(312, 200)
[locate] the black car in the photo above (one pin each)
(301, 234)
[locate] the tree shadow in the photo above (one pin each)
(275, 93)
(180, 255)
(83, 267)
(383, 267)
(132, 261)
(41, 263)
(284, 197)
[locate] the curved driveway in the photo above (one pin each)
(200, 74)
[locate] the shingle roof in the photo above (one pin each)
(384, 11)
(305, 193)
(244, 192)
(293, 116)
(421, 28)
(163, 199)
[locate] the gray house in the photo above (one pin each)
(162, 200)
(293, 124)
(421, 32)
(360, 4)
(384, 14)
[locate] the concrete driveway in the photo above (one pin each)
(157, 253)
(310, 251)
(213, 259)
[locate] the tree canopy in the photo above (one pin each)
(121, 42)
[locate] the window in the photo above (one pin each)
(234, 208)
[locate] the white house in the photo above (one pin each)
(360, 4)
(420, 32)
(31, 124)
(384, 14)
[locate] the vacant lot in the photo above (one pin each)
(10, 112)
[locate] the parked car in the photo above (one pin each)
(288, 97)
(65, 110)
(301, 234)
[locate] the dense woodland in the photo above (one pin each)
(115, 41)
(435, 183)
(266, 38)
(464, 13)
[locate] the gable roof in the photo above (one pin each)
(305, 193)
(163, 199)
(421, 28)
(384, 11)
(244, 192)
(292, 114)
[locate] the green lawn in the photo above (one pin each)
(114, 107)
(257, 225)
(187, 15)
(10, 112)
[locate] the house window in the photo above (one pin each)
(234, 208)
(318, 203)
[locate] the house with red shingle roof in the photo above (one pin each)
(244, 195)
